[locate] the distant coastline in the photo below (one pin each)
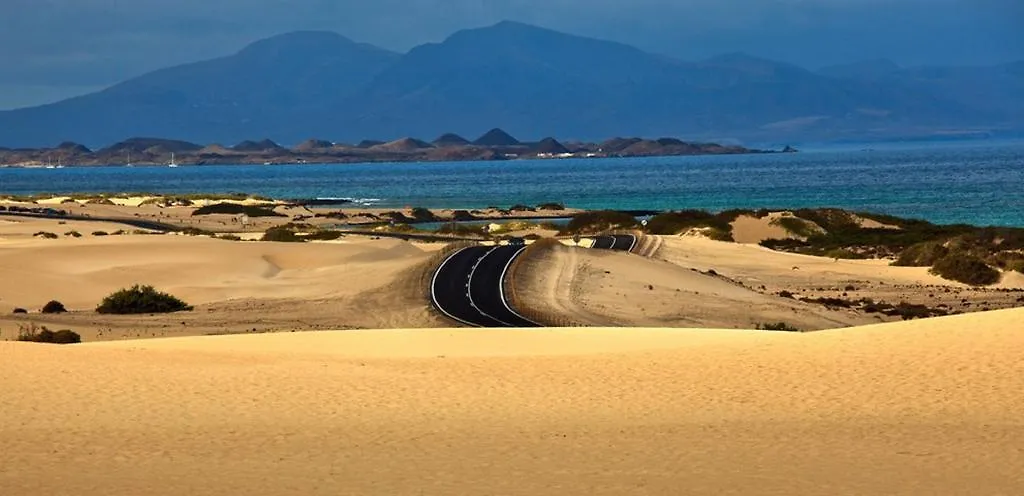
(494, 145)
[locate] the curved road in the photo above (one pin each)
(618, 242)
(467, 287)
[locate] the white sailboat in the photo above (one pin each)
(129, 164)
(172, 164)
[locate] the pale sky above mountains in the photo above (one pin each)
(52, 49)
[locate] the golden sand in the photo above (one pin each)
(923, 407)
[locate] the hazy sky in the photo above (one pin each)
(50, 49)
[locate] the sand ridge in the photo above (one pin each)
(923, 407)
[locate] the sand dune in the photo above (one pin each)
(80, 272)
(236, 286)
(923, 407)
(596, 287)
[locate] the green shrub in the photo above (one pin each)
(521, 208)
(45, 235)
(1011, 261)
(73, 234)
(236, 209)
(228, 237)
(462, 216)
(598, 221)
(54, 306)
(99, 233)
(670, 223)
(141, 299)
(195, 231)
(922, 254)
(420, 214)
(325, 235)
(281, 235)
(965, 268)
(463, 229)
(779, 326)
(33, 334)
(798, 227)
(551, 206)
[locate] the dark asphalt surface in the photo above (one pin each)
(468, 287)
(617, 242)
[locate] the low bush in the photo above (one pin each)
(195, 231)
(236, 209)
(598, 221)
(73, 234)
(463, 229)
(830, 303)
(778, 326)
(141, 299)
(54, 306)
(720, 235)
(19, 311)
(521, 208)
(921, 255)
(281, 235)
(398, 217)
(551, 206)
(798, 227)
(462, 216)
(967, 269)
(325, 235)
(45, 235)
(420, 214)
(35, 334)
(99, 233)
(228, 237)
(670, 223)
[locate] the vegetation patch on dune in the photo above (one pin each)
(141, 299)
(281, 234)
(797, 226)
(53, 306)
(33, 334)
(236, 209)
(599, 221)
(958, 252)
(965, 268)
(715, 226)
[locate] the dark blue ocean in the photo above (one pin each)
(979, 183)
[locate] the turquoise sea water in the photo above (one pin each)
(977, 183)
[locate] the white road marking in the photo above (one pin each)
(501, 288)
(433, 290)
(478, 262)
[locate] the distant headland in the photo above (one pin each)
(496, 144)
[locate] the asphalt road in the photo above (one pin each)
(468, 287)
(618, 242)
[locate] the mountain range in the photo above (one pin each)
(530, 81)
